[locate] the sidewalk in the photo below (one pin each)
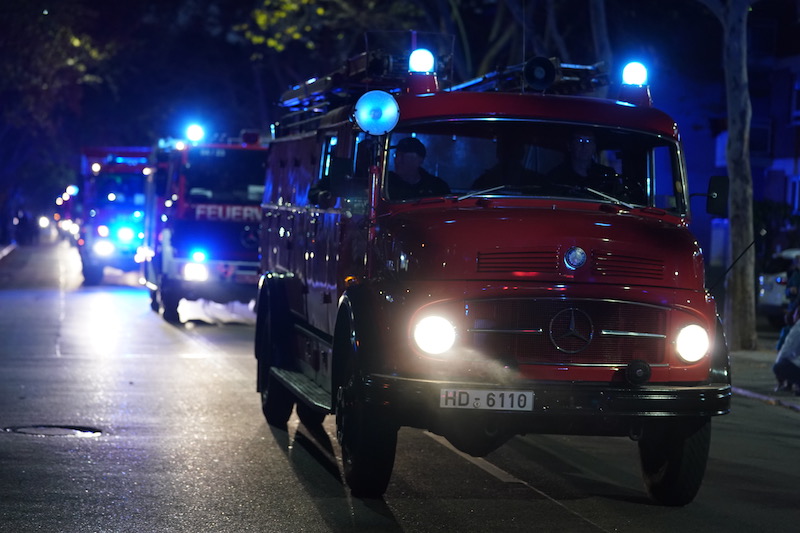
(752, 375)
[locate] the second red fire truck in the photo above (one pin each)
(538, 277)
(202, 221)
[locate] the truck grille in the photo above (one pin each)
(603, 264)
(614, 264)
(529, 261)
(554, 331)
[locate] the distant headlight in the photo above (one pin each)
(692, 343)
(103, 248)
(195, 272)
(434, 335)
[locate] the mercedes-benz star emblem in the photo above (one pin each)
(571, 330)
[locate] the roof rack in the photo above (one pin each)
(541, 74)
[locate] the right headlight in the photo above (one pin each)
(692, 343)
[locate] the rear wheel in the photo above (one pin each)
(674, 459)
(276, 400)
(368, 437)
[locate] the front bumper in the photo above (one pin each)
(217, 291)
(558, 407)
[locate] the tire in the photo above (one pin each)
(276, 400)
(368, 438)
(673, 460)
(169, 299)
(154, 301)
(310, 417)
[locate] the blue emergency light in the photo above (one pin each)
(195, 133)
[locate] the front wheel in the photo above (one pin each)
(367, 437)
(169, 300)
(674, 458)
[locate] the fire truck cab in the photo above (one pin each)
(539, 278)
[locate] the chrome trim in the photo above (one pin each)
(519, 331)
(614, 333)
(604, 365)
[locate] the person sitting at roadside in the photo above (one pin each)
(408, 179)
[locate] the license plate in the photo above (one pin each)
(492, 400)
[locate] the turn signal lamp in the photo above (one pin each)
(377, 112)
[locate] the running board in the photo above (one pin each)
(304, 389)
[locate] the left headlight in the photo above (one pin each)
(692, 343)
(195, 272)
(434, 335)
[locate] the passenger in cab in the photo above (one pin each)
(408, 179)
(579, 168)
(509, 170)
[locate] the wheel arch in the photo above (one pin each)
(353, 335)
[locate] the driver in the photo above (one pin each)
(409, 179)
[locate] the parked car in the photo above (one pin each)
(772, 300)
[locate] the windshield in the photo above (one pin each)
(215, 175)
(535, 159)
(119, 189)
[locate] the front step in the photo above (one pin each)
(304, 389)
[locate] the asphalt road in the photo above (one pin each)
(113, 420)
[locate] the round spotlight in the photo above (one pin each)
(377, 112)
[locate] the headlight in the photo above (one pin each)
(434, 335)
(195, 272)
(692, 343)
(103, 248)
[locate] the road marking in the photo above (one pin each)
(505, 477)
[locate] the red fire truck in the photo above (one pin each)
(520, 297)
(112, 206)
(201, 222)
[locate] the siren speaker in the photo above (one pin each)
(540, 73)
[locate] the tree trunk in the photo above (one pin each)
(740, 300)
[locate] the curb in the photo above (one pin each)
(766, 399)
(7, 250)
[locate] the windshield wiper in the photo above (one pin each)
(609, 197)
(480, 192)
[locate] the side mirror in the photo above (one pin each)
(717, 197)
